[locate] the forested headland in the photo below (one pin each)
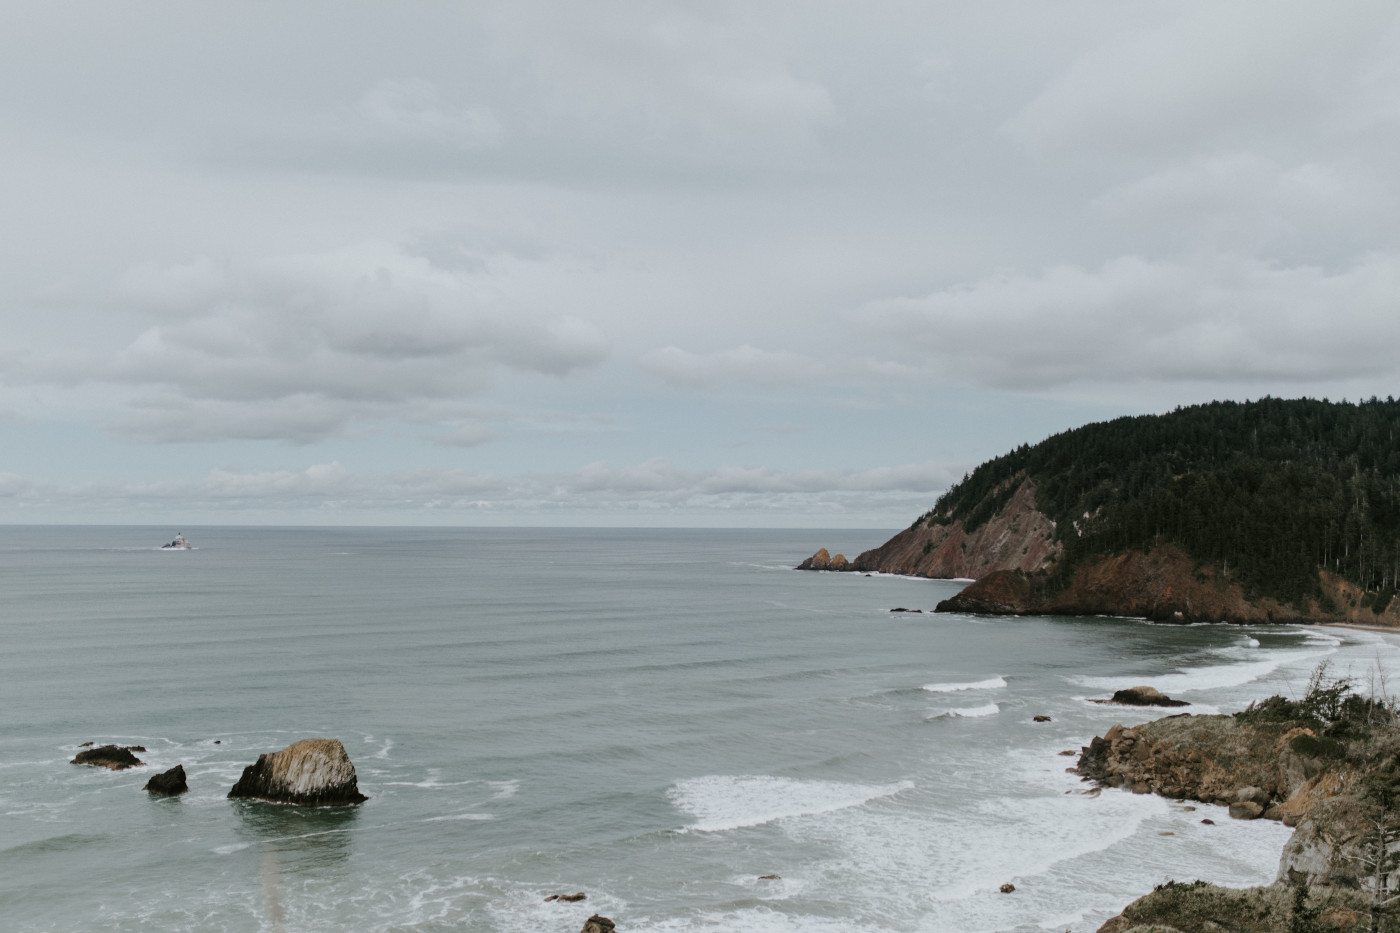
(1292, 502)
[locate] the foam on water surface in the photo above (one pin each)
(721, 802)
(991, 683)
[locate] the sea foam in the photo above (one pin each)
(722, 802)
(992, 683)
(966, 712)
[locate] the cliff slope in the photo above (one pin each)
(1271, 510)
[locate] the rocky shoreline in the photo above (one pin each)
(1315, 765)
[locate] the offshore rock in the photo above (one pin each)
(169, 783)
(108, 756)
(1145, 696)
(309, 773)
(822, 560)
(598, 924)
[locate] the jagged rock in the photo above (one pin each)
(1145, 696)
(598, 924)
(1197, 907)
(86, 745)
(566, 898)
(1008, 888)
(309, 773)
(1042, 719)
(108, 756)
(168, 783)
(818, 561)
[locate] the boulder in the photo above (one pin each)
(1041, 718)
(169, 783)
(309, 773)
(598, 924)
(1245, 810)
(566, 898)
(108, 756)
(1008, 888)
(1145, 696)
(818, 561)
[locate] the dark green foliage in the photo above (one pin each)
(1264, 492)
(1332, 707)
(1303, 919)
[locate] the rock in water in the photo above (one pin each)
(1145, 696)
(169, 784)
(108, 756)
(309, 773)
(598, 924)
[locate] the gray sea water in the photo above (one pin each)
(657, 718)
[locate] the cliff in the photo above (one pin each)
(1282, 511)
(1326, 765)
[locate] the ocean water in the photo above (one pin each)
(656, 718)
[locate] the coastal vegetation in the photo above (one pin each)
(1270, 492)
(1270, 510)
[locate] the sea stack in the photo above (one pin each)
(309, 773)
(169, 783)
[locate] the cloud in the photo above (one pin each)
(300, 348)
(654, 486)
(746, 365)
(1228, 320)
(1225, 72)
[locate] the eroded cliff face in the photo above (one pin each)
(1163, 584)
(1019, 537)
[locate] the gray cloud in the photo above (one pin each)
(299, 348)
(654, 486)
(1226, 319)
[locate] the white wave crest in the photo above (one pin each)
(993, 683)
(967, 712)
(1211, 677)
(722, 802)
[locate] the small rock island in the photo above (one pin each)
(309, 773)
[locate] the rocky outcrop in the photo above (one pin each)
(116, 757)
(1206, 758)
(309, 773)
(1144, 696)
(824, 561)
(1164, 585)
(1017, 537)
(168, 783)
(1198, 907)
(598, 924)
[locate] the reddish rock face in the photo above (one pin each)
(1019, 537)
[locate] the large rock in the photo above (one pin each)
(108, 756)
(309, 773)
(598, 924)
(822, 560)
(169, 783)
(1145, 696)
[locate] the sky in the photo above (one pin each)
(752, 264)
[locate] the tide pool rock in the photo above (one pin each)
(108, 756)
(169, 783)
(309, 773)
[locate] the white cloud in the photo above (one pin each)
(1226, 320)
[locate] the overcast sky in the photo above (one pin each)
(664, 263)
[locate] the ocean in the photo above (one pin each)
(658, 718)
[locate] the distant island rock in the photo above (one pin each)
(309, 773)
(1266, 511)
(116, 757)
